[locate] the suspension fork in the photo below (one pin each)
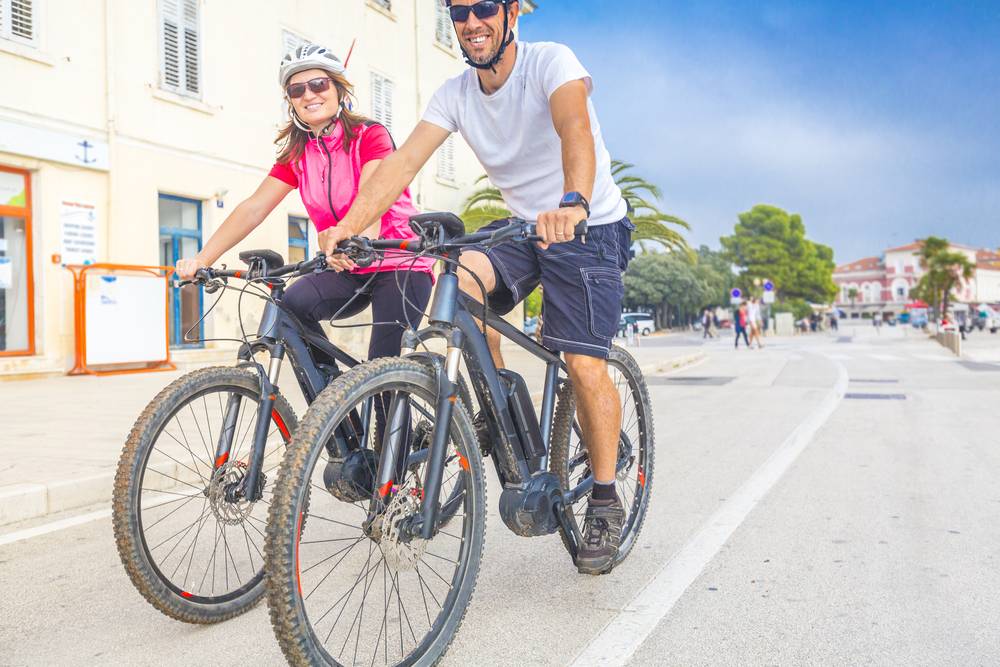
(447, 397)
(249, 487)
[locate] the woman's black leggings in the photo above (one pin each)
(319, 296)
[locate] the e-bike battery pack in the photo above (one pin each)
(523, 412)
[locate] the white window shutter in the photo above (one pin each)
(446, 160)
(443, 32)
(382, 100)
(180, 46)
(170, 69)
(192, 48)
(19, 20)
(290, 41)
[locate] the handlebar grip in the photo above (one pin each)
(580, 229)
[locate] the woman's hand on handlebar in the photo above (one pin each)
(328, 241)
(186, 268)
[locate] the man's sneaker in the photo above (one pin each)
(602, 535)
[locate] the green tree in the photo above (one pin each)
(673, 285)
(769, 243)
(651, 224)
(852, 295)
(944, 270)
(486, 204)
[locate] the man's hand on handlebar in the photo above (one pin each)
(558, 226)
(328, 241)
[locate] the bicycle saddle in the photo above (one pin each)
(271, 259)
(449, 222)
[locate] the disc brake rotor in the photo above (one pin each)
(229, 512)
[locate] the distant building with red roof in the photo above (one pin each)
(882, 284)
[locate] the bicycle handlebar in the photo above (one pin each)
(362, 250)
(517, 230)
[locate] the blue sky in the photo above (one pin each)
(878, 121)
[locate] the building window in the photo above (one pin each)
(290, 41)
(443, 32)
(18, 21)
(17, 311)
(298, 238)
(180, 47)
(446, 160)
(382, 100)
(180, 237)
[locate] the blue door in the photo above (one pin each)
(180, 237)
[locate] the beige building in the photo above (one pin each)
(129, 130)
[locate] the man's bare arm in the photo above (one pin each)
(394, 173)
(571, 119)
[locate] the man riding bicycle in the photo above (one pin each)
(524, 108)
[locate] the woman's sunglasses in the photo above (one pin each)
(317, 85)
(483, 10)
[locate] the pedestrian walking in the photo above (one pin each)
(754, 322)
(740, 325)
(706, 323)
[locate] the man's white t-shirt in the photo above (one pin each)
(511, 132)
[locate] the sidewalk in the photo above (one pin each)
(63, 435)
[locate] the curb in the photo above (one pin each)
(21, 502)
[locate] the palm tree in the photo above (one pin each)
(651, 224)
(945, 269)
(486, 204)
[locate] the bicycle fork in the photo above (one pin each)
(249, 487)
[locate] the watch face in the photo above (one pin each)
(570, 198)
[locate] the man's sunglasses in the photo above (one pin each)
(483, 10)
(317, 85)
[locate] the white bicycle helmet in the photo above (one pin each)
(308, 56)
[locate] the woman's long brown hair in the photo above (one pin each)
(292, 140)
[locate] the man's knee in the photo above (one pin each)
(585, 370)
(478, 264)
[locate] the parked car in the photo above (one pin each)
(644, 320)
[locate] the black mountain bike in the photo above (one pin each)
(389, 580)
(196, 475)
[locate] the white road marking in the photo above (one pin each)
(626, 632)
(54, 526)
(885, 357)
(840, 357)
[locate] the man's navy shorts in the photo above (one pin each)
(581, 283)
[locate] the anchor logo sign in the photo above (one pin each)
(86, 159)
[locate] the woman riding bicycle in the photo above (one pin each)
(327, 152)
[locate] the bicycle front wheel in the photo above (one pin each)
(192, 552)
(345, 586)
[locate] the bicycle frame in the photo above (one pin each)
(280, 333)
(452, 318)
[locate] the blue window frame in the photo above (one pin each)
(298, 238)
(180, 237)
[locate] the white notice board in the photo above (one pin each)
(126, 318)
(79, 232)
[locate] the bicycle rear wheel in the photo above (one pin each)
(343, 586)
(192, 553)
(569, 462)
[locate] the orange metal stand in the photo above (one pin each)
(80, 317)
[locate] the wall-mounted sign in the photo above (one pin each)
(86, 151)
(78, 223)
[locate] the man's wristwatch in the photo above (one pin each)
(575, 199)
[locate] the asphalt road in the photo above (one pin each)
(788, 525)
